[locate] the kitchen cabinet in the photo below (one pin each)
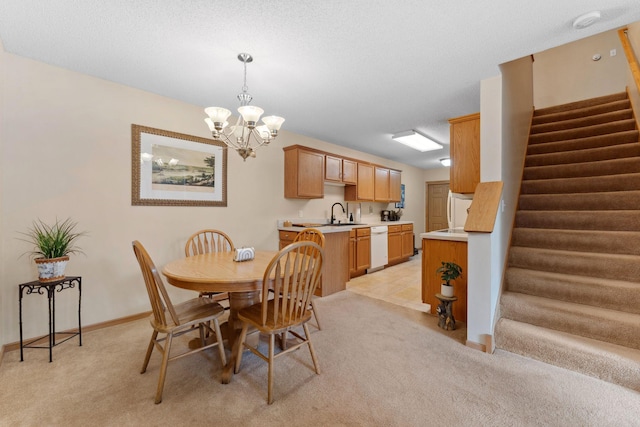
(303, 173)
(335, 267)
(395, 193)
(359, 251)
(434, 252)
(400, 243)
(465, 153)
(364, 189)
(381, 184)
(339, 170)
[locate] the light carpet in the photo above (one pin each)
(382, 365)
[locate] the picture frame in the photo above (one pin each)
(175, 169)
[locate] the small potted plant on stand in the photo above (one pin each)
(448, 271)
(52, 246)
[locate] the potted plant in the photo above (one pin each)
(52, 246)
(448, 271)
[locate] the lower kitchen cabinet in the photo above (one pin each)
(434, 252)
(359, 251)
(400, 242)
(335, 267)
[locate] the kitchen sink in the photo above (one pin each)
(339, 224)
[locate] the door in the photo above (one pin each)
(436, 209)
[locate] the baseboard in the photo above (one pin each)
(88, 328)
(487, 347)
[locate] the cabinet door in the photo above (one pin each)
(465, 153)
(365, 182)
(332, 168)
(407, 241)
(394, 186)
(303, 174)
(349, 171)
(352, 253)
(381, 186)
(363, 252)
(395, 246)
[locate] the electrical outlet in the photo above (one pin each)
(502, 205)
(300, 214)
(612, 52)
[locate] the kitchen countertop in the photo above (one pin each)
(455, 234)
(339, 228)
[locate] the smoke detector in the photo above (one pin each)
(583, 21)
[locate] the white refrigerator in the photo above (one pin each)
(458, 209)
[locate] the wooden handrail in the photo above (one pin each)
(631, 57)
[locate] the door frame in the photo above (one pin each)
(426, 200)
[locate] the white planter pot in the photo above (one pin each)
(446, 291)
(50, 270)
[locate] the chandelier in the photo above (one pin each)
(244, 136)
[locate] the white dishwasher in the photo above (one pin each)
(379, 248)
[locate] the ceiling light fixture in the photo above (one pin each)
(244, 136)
(583, 21)
(446, 161)
(416, 141)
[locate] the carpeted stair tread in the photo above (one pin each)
(585, 155)
(587, 321)
(622, 104)
(604, 200)
(582, 121)
(598, 168)
(583, 132)
(588, 184)
(627, 220)
(608, 362)
(612, 242)
(581, 104)
(626, 137)
(610, 294)
(592, 264)
(615, 138)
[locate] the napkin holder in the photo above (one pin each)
(244, 254)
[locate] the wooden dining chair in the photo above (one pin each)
(207, 241)
(174, 320)
(316, 236)
(293, 274)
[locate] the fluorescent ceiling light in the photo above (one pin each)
(416, 141)
(446, 161)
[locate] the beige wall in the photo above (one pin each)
(66, 151)
(567, 73)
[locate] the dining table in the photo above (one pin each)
(218, 272)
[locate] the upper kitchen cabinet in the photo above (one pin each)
(395, 179)
(381, 185)
(465, 153)
(364, 189)
(303, 173)
(339, 170)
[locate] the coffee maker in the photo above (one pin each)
(384, 215)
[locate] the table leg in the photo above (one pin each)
(237, 301)
(52, 320)
(20, 308)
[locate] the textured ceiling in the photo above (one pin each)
(349, 72)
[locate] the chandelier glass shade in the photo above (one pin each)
(245, 135)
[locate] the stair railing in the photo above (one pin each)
(631, 57)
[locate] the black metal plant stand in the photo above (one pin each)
(50, 288)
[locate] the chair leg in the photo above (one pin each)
(147, 357)
(216, 326)
(313, 353)
(315, 314)
(272, 341)
(240, 345)
(163, 367)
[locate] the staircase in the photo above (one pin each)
(572, 284)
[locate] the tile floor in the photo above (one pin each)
(400, 284)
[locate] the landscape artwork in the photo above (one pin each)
(173, 169)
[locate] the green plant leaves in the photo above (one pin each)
(449, 271)
(53, 241)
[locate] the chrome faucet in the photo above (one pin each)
(333, 217)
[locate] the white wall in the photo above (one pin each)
(66, 151)
(567, 73)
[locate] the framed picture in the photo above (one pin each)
(400, 204)
(174, 169)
